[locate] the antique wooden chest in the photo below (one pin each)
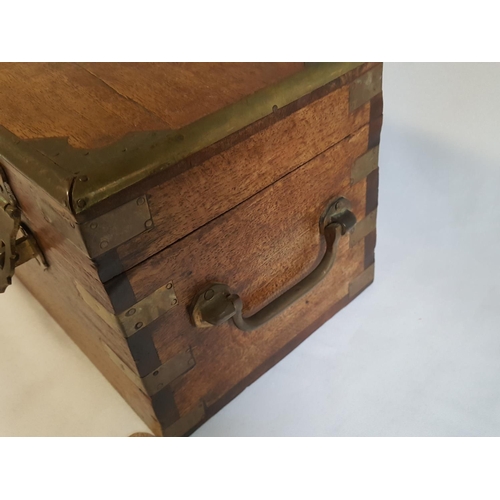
(188, 225)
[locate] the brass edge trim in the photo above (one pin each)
(163, 149)
(29, 162)
(168, 372)
(358, 284)
(364, 165)
(365, 87)
(186, 422)
(363, 227)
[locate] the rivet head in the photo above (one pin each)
(149, 224)
(139, 325)
(141, 200)
(169, 285)
(209, 294)
(104, 244)
(81, 203)
(155, 373)
(130, 312)
(93, 225)
(174, 302)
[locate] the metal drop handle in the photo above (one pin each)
(216, 303)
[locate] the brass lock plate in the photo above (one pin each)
(14, 251)
(10, 221)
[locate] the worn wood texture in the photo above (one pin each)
(278, 228)
(186, 202)
(54, 228)
(181, 93)
(57, 289)
(243, 212)
(96, 104)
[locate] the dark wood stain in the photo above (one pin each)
(375, 128)
(164, 407)
(109, 265)
(376, 106)
(372, 191)
(143, 350)
(120, 293)
(370, 242)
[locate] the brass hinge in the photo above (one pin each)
(17, 244)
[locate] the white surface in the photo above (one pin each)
(418, 353)
(47, 386)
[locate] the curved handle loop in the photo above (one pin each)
(216, 304)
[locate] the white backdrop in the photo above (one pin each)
(418, 353)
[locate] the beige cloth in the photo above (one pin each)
(48, 387)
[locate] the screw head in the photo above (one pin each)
(149, 224)
(139, 325)
(104, 244)
(155, 373)
(169, 285)
(141, 200)
(83, 178)
(93, 225)
(174, 302)
(130, 312)
(81, 203)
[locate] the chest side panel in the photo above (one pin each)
(203, 187)
(260, 248)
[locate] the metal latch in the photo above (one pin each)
(17, 244)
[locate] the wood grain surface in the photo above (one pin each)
(96, 104)
(186, 202)
(245, 212)
(278, 230)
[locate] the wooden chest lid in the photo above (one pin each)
(84, 132)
